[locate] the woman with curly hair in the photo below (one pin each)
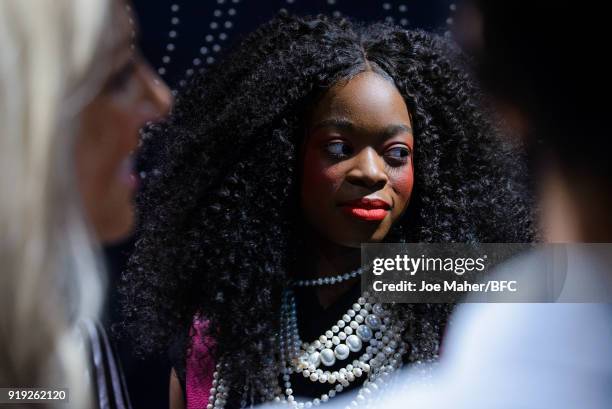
(313, 136)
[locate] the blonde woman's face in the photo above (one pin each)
(131, 96)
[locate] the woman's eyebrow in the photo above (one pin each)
(347, 125)
(395, 129)
(338, 123)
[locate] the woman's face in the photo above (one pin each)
(358, 171)
(131, 96)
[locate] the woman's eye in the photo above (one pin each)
(398, 153)
(121, 79)
(338, 149)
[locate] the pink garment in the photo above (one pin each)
(200, 366)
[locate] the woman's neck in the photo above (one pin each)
(321, 258)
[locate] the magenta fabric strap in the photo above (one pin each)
(200, 366)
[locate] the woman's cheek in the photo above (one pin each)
(403, 184)
(319, 177)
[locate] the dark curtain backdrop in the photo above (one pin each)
(181, 37)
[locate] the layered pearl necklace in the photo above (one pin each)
(363, 324)
(329, 280)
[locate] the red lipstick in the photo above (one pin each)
(366, 209)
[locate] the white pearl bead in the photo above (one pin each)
(335, 340)
(378, 309)
(335, 329)
(331, 378)
(329, 334)
(341, 324)
(348, 330)
(354, 343)
(359, 318)
(356, 307)
(314, 359)
(341, 351)
(346, 318)
(323, 339)
(373, 321)
(328, 357)
(364, 332)
(357, 372)
(354, 324)
(342, 336)
(314, 377)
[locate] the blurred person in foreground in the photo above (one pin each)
(544, 67)
(73, 95)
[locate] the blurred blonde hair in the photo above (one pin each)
(49, 270)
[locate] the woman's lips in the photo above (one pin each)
(366, 209)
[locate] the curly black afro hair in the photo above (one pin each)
(219, 215)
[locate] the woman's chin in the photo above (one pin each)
(116, 229)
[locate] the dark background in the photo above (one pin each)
(181, 37)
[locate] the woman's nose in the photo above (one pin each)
(156, 93)
(368, 170)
